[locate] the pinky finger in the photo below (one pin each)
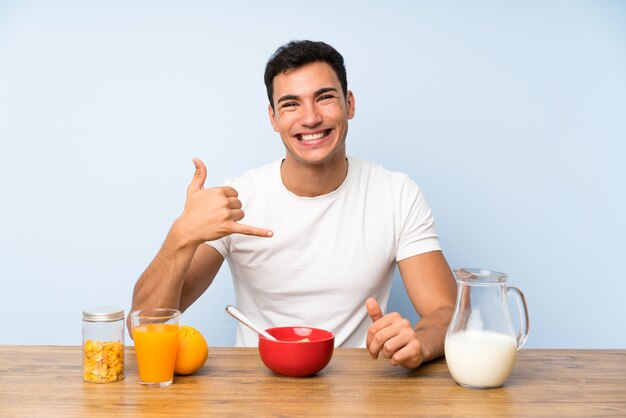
(409, 356)
(252, 230)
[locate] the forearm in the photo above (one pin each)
(431, 332)
(161, 283)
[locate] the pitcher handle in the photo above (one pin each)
(522, 335)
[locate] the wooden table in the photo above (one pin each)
(47, 381)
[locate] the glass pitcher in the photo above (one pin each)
(481, 342)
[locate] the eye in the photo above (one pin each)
(325, 97)
(288, 104)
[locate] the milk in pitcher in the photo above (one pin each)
(480, 358)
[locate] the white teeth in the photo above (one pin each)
(311, 137)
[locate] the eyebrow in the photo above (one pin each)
(317, 93)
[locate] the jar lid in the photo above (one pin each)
(103, 314)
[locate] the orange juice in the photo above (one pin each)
(155, 347)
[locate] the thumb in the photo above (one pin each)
(199, 177)
(373, 309)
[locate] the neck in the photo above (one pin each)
(311, 180)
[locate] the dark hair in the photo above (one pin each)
(296, 54)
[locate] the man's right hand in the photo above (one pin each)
(212, 213)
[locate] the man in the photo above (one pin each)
(338, 227)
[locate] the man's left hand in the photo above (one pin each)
(393, 336)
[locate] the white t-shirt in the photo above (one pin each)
(328, 254)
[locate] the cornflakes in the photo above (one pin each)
(103, 361)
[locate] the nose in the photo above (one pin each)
(311, 117)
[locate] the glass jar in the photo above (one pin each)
(103, 344)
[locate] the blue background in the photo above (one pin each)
(511, 116)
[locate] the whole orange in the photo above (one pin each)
(192, 351)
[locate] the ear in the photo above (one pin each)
(350, 103)
(270, 112)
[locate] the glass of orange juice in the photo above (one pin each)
(155, 332)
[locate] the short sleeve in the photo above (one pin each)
(418, 234)
(221, 245)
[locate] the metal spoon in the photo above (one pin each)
(239, 316)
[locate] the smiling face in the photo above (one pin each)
(311, 114)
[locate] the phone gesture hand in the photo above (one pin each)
(213, 213)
